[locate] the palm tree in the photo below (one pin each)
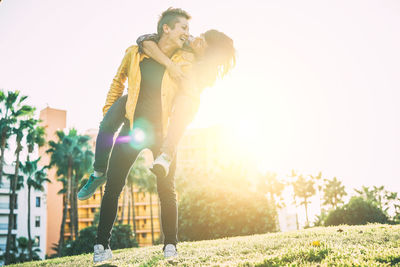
(19, 132)
(304, 189)
(141, 177)
(19, 251)
(70, 154)
(121, 219)
(333, 192)
(151, 188)
(318, 181)
(35, 179)
(19, 183)
(35, 136)
(292, 178)
(83, 163)
(63, 191)
(269, 184)
(11, 109)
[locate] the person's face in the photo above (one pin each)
(180, 33)
(198, 45)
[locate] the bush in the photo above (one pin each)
(357, 212)
(121, 238)
(222, 207)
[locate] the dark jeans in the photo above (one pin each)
(122, 157)
(110, 124)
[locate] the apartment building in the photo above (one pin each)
(20, 227)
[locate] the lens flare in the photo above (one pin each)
(138, 135)
(142, 134)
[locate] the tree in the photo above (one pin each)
(148, 183)
(35, 136)
(18, 253)
(358, 211)
(35, 179)
(70, 154)
(292, 178)
(269, 184)
(304, 189)
(11, 109)
(137, 177)
(319, 183)
(221, 204)
(388, 202)
(333, 192)
(19, 132)
(82, 166)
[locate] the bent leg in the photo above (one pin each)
(108, 127)
(185, 109)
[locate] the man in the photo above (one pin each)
(148, 106)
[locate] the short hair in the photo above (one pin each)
(171, 17)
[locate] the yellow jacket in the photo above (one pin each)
(130, 69)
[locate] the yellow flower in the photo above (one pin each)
(316, 243)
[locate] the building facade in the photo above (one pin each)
(20, 228)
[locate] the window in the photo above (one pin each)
(144, 221)
(38, 202)
(37, 221)
(93, 210)
(37, 241)
(144, 235)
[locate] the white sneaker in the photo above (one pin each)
(161, 165)
(101, 254)
(170, 251)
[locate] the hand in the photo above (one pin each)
(175, 72)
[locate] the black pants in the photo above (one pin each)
(110, 124)
(122, 157)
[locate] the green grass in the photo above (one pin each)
(370, 245)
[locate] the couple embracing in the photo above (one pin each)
(166, 74)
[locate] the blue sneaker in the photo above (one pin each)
(91, 186)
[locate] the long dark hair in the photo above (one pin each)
(218, 59)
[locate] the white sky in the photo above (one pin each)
(316, 87)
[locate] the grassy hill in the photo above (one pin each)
(370, 245)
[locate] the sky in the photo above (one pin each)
(316, 86)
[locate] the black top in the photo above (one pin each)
(148, 107)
